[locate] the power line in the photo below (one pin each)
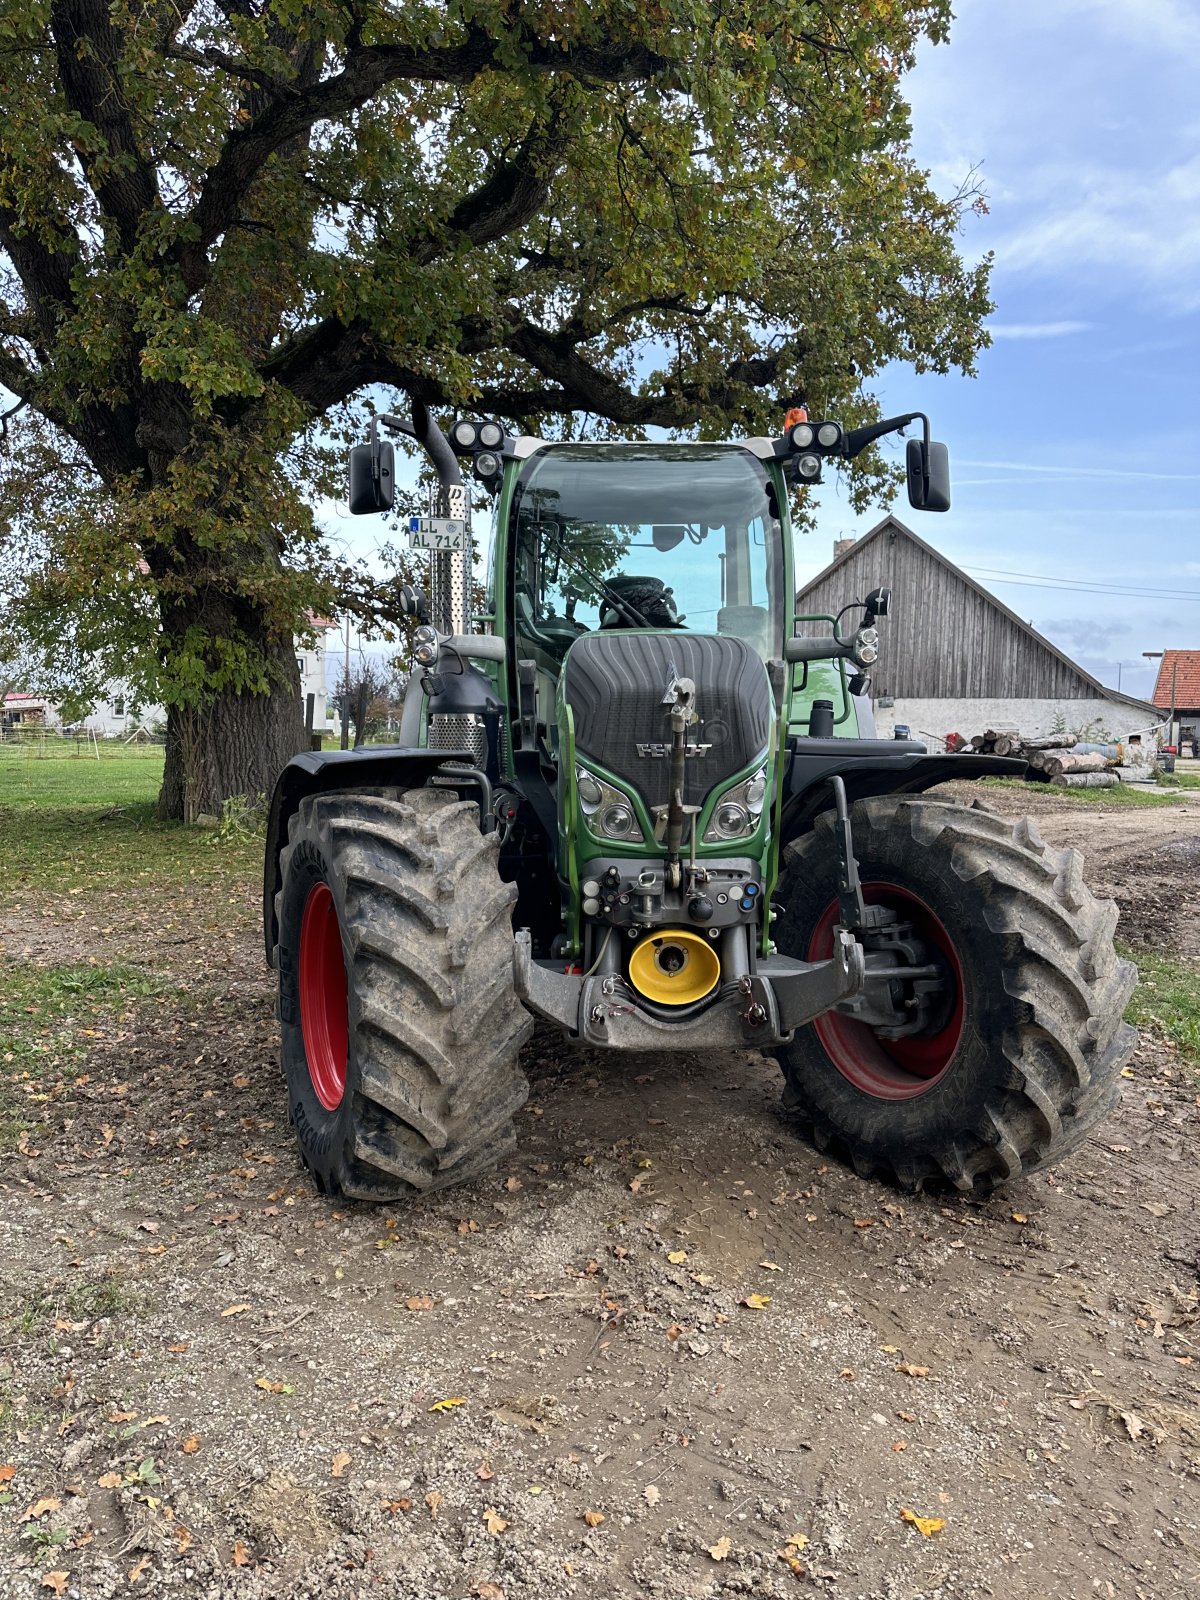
(1031, 580)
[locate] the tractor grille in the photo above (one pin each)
(616, 682)
(462, 731)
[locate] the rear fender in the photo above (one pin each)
(869, 767)
(325, 772)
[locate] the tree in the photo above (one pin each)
(223, 221)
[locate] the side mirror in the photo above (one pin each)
(372, 478)
(667, 535)
(413, 603)
(928, 475)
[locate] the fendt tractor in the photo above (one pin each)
(636, 796)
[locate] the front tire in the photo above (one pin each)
(1023, 1054)
(400, 1022)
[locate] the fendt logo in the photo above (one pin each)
(661, 751)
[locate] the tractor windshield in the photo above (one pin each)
(645, 536)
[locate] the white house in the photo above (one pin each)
(120, 715)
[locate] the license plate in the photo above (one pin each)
(437, 533)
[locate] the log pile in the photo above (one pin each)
(1053, 758)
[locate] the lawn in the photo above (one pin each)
(64, 773)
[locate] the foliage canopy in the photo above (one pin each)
(223, 221)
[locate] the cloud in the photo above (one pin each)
(1065, 469)
(1036, 330)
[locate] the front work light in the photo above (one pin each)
(829, 435)
(464, 436)
(491, 435)
(809, 466)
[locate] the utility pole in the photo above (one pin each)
(1157, 655)
(345, 739)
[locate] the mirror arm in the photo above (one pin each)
(859, 438)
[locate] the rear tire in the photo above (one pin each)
(401, 1057)
(1033, 1057)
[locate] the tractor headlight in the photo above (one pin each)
(802, 436)
(808, 466)
(829, 435)
(737, 813)
(464, 435)
(491, 435)
(618, 821)
(426, 646)
(608, 812)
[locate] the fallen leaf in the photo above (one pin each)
(7, 1473)
(1156, 1208)
(635, 1185)
(488, 1591)
(1134, 1426)
(864, 1222)
(484, 1470)
(393, 1506)
(183, 1537)
(677, 1257)
(140, 1570)
(56, 1581)
(757, 1302)
(651, 1494)
(40, 1508)
(702, 1278)
(925, 1525)
(420, 1302)
(273, 1385)
(122, 1416)
(434, 1500)
(148, 1227)
(449, 1405)
(771, 1266)
(1019, 1216)
(722, 1548)
(674, 1331)
(797, 1541)
(593, 1518)
(513, 1184)
(178, 1349)
(493, 1521)
(900, 1444)
(338, 1465)
(912, 1370)
(890, 1349)
(190, 1445)
(110, 1480)
(241, 1555)
(234, 1311)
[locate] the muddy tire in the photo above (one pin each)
(400, 1024)
(1023, 1055)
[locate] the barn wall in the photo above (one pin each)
(1033, 718)
(943, 639)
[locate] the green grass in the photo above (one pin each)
(1182, 780)
(1167, 1000)
(1121, 795)
(46, 1013)
(64, 773)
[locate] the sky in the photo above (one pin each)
(1074, 453)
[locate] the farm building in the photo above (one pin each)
(953, 658)
(1177, 692)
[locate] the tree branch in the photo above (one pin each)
(366, 70)
(88, 46)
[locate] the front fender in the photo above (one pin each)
(325, 771)
(872, 766)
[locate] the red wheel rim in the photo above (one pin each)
(323, 997)
(891, 1069)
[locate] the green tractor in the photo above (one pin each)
(637, 797)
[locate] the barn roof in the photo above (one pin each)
(1178, 679)
(892, 526)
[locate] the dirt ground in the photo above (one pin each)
(558, 1380)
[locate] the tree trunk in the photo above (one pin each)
(236, 744)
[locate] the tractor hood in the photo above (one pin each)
(619, 685)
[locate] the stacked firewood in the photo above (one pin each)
(1055, 758)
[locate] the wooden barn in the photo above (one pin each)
(953, 658)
